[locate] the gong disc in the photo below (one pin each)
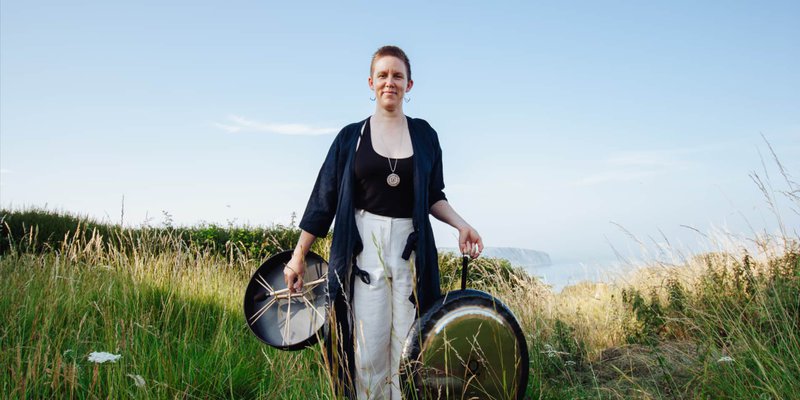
(283, 320)
(467, 345)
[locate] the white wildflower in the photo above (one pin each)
(725, 359)
(549, 350)
(552, 352)
(137, 380)
(570, 362)
(100, 357)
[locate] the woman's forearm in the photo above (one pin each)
(303, 244)
(443, 211)
(469, 241)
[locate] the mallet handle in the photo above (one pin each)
(464, 264)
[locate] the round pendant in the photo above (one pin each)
(393, 180)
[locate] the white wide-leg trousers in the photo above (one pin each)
(382, 311)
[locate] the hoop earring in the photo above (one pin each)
(372, 99)
(407, 99)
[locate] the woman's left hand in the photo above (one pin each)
(469, 241)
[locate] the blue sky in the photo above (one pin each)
(559, 121)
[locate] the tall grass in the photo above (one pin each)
(174, 316)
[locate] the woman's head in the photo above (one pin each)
(390, 77)
(393, 51)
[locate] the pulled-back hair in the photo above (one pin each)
(393, 51)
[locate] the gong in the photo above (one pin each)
(467, 345)
(287, 321)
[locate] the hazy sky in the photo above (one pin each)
(559, 122)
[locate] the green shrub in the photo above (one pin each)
(39, 230)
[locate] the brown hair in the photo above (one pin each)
(393, 51)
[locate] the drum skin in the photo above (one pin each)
(467, 345)
(306, 319)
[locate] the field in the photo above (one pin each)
(168, 300)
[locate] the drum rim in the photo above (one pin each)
(424, 323)
(272, 262)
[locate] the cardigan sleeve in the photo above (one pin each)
(322, 203)
(436, 185)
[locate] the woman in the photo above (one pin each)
(381, 179)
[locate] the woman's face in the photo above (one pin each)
(390, 82)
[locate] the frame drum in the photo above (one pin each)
(283, 320)
(467, 345)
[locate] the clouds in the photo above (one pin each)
(236, 124)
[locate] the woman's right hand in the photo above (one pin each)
(293, 273)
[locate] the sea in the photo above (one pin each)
(561, 274)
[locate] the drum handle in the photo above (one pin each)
(464, 264)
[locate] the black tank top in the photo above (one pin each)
(373, 193)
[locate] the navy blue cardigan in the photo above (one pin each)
(333, 197)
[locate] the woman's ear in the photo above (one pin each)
(371, 87)
(410, 84)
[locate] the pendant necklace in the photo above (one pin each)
(393, 179)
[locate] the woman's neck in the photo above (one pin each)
(389, 116)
